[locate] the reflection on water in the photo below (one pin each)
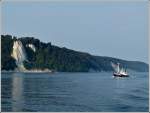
(17, 92)
(74, 92)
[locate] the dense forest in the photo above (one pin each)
(48, 56)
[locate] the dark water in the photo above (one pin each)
(74, 92)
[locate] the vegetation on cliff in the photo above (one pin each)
(48, 56)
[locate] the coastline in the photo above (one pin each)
(27, 71)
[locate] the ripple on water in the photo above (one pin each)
(73, 92)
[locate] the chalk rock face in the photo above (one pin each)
(19, 54)
(31, 46)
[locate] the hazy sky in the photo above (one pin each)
(116, 29)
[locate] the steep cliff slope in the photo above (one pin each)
(28, 53)
(19, 54)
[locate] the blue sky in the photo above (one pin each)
(115, 29)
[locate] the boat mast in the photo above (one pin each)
(118, 70)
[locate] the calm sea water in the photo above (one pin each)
(74, 92)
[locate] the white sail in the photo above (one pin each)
(116, 67)
(122, 71)
(119, 71)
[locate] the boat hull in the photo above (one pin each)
(120, 75)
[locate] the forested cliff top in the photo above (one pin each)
(30, 53)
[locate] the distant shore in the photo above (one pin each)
(27, 71)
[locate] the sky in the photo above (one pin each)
(115, 29)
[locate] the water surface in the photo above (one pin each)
(74, 92)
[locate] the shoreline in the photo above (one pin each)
(28, 71)
(53, 71)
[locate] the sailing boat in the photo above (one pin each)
(119, 72)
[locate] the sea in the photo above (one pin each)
(74, 92)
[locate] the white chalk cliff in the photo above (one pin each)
(31, 46)
(19, 54)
